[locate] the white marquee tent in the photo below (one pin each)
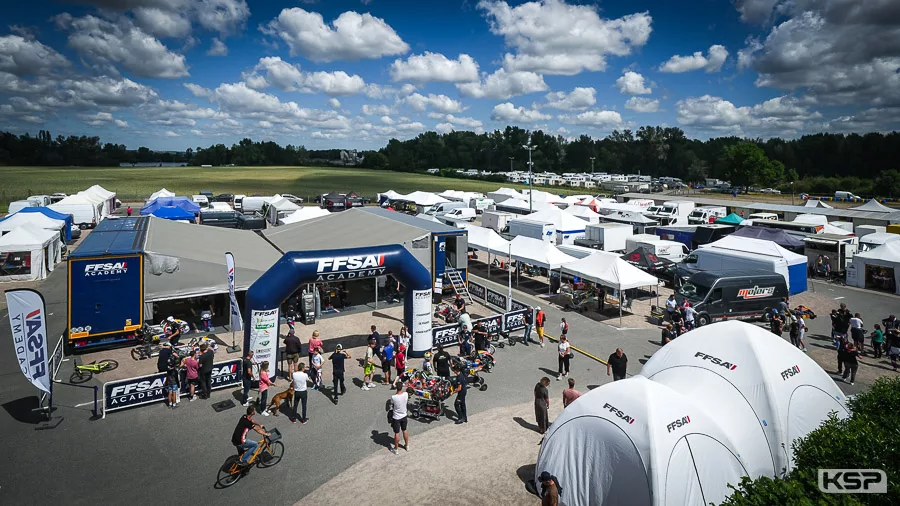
(28, 253)
(770, 394)
(610, 270)
(583, 212)
(520, 205)
(161, 193)
(568, 227)
(639, 443)
(37, 220)
(887, 255)
(109, 198)
(752, 393)
(101, 203)
(486, 239)
(818, 219)
(539, 253)
(303, 214)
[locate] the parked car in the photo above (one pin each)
(223, 197)
(206, 193)
(76, 231)
(292, 198)
(772, 191)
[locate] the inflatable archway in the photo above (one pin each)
(264, 297)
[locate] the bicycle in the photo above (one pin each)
(85, 372)
(268, 453)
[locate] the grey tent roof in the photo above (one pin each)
(817, 203)
(874, 206)
(353, 228)
(431, 226)
(186, 260)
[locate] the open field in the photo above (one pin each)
(135, 184)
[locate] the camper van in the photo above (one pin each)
(706, 215)
(739, 296)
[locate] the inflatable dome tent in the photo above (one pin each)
(764, 392)
(637, 442)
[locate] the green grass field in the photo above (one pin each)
(136, 184)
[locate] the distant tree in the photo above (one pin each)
(746, 164)
(888, 183)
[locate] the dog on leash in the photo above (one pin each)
(287, 395)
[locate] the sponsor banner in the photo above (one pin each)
(493, 324)
(237, 321)
(476, 290)
(496, 299)
(132, 392)
(516, 305)
(449, 334)
(264, 335)
(421, 321)
(514, 320)
(349, 267)
(28, 320)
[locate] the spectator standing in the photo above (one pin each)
(246, 378)
(601, 299)
(689, 314)
(540, 319)
(387, 361)
(783, 305)
(891, 322)
(563, 327)
(851, 364)
(398, 418)
(565, 354)
(315, 372)
(843, 320)
(857, 333)
(877, 340)
(162, 360)
(292, 348)
(171, 382)
(618, 364)
(369, 366)
(206, 359)
(403, 337)
(129, 210)
(529, 323)
(776, 325)
(192, 367)
(835, 323)
(570, 394)
(671, 305)
(667, 334)
(841, 353)
(542, 404)
(400, 360)
(300, 379)
(375, 335)
(314, 342)
(461, 385)
(550, 489)
(264, 384)
(337, 370)
(459, 303)
(441, 361)
(794, 329)
(803, 329)
(893, 339)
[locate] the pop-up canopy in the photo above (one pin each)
(539, 253)
(731, 219)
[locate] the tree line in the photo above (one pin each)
(820, 163)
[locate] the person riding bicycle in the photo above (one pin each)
(173, 330)
(239, 438)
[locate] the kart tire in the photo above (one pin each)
(483, 387)
(415, 412)
(500, 345)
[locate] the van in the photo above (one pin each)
(18, 205)
(238, 202)
(250, 205)
(481, 204)
(706, 215)
(445, 207)
(749, 295)
(720, 261)
(846, 195)
(41, 200)
(670, 250)
(200, 200)
(763, 216)
(459, 214)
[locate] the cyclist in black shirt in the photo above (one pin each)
(239, 438)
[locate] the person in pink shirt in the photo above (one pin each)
(314, 343)
(570, 394)
(192, 366)
(264, 384)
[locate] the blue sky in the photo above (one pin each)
(172, 74)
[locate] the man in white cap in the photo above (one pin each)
(173, 329)
(162, 362)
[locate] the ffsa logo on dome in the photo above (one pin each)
(715, 360)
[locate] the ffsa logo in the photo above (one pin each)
(715, 360)
(787, 373)
(34, 324)
(619, 413)
(677, 424)
(105, 269)
(337, 268)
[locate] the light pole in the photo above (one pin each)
(792, 193)
(511, 163)
(592, 164)
(530, 148)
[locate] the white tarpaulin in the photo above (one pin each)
(636, 442)
(583, 212)
(161, 193)
(101, 203)
(538, 253)
(34, 251)
(28, 319)
(424, 199)
(763, 391)
(610, 270)
(486, 239)
(303, 214)
(568, 227)
(108, 197)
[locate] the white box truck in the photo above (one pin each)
(481, 205)
(706, 214)
(670, 250)
(673, 212)
(497, 221)
(610, 236)
(719, 261)
(534, 229)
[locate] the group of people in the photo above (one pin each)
(783, 318)
(680, 319)
(193, 372)
(849, 337)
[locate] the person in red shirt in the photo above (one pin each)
(570, 394)
(192, 366)
(400, 360)
(539, 320)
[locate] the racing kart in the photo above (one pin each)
(427, 393)
(575, 299)
(446, 312)
(804, 312)
(472, 366)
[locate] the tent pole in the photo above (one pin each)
(489, 265)
(621, 300)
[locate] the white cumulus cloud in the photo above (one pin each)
(642, 104)
(579, 98)
(441, 103)
(713, 62)
(509, 112)
(633, 84)
(501, 85)
(435, 67)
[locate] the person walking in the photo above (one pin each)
(314, 342)
(563, 327)
(400, 360)
(857, 333)
(671, 305)
(369, 366)
(540, 319)
(246, 378)
(851, 362)
(207, 358)
(794, 329)
(550, 489)
(460, 384)
(564, 351)
(398, 418)
(893, 339)
(877, 340)
(192, 368)
(315, 372)
(803, 330)
(300, 379)
(570, 394)
(776, 325)
(542, 404)
(129, 210)
(667, 334)
(264, 384)
(529, 323)
(387, 361)
(337, 371)
(292, 348)
(841, 353)
(689, 314)
(618, 364)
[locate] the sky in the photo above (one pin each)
(173, 74)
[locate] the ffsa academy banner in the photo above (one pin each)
(237, 321)
(28, 320)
